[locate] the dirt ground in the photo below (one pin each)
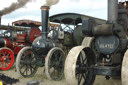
(40, 76)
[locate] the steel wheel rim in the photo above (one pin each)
(124, 69)
(55, 64)
(6, 59)
(27, 63)
(74, 74)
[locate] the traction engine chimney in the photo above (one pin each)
(112, 11)
(0, 20)
(44, 17)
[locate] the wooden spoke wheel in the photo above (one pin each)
(77, 65)
(6, 58)
(54, 64)
(26, 62)
(124, 70)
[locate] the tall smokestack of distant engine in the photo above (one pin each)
(0, 20)
(112, 11)
(44, 15)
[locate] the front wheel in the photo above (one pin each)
(6, 58)
(54, 64)
(26, 62)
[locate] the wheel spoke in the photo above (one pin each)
(60, 58)
(79, 79)
(53, 73)
(84, 61)
(8, 63)
(1, 63)
(21, 66)
(25, 70)
(52, 63)
(8, 53)
(32, 58)
(5, 64)
(84, 76)
(81, 57)
(31, 68)
(56, 55)
(22, 61)
(3, 52)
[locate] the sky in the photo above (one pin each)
(31, 11)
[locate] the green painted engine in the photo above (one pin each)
(103, 50)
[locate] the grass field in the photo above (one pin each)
(40, 76)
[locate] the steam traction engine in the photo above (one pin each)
(14, 38)
(50, 49)
(103, 52)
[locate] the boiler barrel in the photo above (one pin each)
(2, 42)
(5, 42)
(77, 35)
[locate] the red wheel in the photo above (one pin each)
(6, 58)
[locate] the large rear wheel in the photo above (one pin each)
(124, 70)
(87, 41)
(26, 62)
(54, 64)
(78, 66)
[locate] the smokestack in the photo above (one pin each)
(0, 21)
(44, 16)
(112, 11)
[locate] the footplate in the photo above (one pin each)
(108, 70)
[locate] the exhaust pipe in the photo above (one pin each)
(44, 17)
(112, 11)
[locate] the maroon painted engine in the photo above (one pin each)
(14, 38)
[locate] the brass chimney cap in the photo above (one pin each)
(45, 8)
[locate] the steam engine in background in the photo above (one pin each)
(14, 38)
(103, 50)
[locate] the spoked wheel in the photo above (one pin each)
(6, 58)
(77, 65)
(124, 70)
(26, 62)
(54, 64)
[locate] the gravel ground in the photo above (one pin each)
(40, 76)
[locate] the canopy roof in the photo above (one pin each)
(68, 18)
(27, 23)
